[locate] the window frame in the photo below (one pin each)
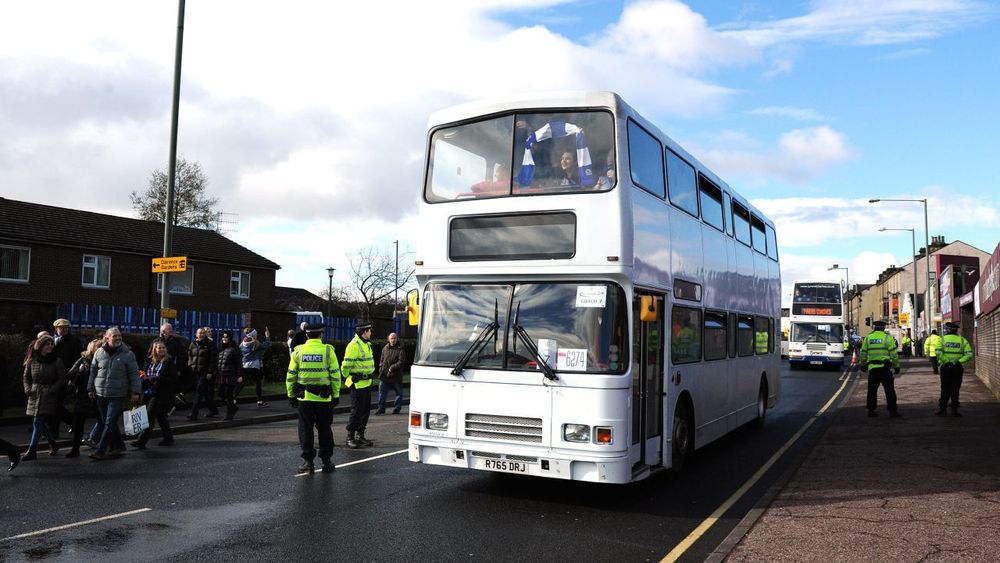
(752, 349)
(772, 242)
(698, 328)
(740, 209)
(768, 323)
(731, 336)
(727, 212)
(159, 281)
(96, 266)
(754, 219)
(702, 193)
(631, 167)
(725, 334)
(233, 277)
(27, 273)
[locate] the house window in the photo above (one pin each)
(14, 262)
(96, 271)
(239, 284)
(181, 283)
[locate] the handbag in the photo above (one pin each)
(135, 420)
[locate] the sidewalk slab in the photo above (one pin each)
(917, 488)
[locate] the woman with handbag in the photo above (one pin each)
(76, 387)
(159, 384)
(44, 379)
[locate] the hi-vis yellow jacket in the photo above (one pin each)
(313, 365)
(359, 364)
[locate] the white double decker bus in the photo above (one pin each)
(595, 304)
(817, 325)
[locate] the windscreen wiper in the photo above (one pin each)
(519, 332)
(488, 332)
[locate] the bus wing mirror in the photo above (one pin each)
(413, 306)
(648, 311)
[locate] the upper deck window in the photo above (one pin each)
(645, 159)
(711, 203)
(682, 184)
(741, 223)
(522, 154)
(759, 242)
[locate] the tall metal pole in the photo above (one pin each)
(913, 243)
(395, 294)
(168, 217)
(927, 256)
(329, 295)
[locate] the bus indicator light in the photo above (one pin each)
(604, 434)
(415, 419)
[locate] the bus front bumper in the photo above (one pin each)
(521, 460)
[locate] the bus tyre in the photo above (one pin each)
(682, 437)
(761, 405)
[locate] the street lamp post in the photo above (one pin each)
(847, 274)
(913, 241)
(927, 257)
(329, 295)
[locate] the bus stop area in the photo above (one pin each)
(917, 488)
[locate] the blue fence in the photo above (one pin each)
(146, 320)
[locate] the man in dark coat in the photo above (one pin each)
(68, 349)
(390, 374)
(203, 359)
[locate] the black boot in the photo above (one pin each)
(328, 466)
(353, 441)
(306, 467)
(364, 441)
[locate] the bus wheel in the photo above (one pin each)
(761, 405)
(682, 441)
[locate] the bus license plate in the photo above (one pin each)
(816, 363)
(505, 465)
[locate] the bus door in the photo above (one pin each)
(647, 384)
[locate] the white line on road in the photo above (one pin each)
(686, 544)
(76, 524)
(365, 460)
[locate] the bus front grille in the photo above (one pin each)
(497, 427)
(816, 347)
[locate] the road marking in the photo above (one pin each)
(365, 460)
(686, 544)
(76, 524)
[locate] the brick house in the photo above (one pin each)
(51, 255)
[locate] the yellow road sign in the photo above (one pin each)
(170, 264)
(167, 313)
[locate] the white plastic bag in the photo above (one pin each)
(135, 420)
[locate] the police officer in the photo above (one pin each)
(878, 355)
(359, 366)
(931, 345)
(907, 342)
(313, 386)
(954, 351)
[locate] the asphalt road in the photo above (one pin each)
(231, 495)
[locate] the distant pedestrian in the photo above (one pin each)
(252, 351)
(299, 338)
(230, 372)
(159, 383)
(186, 381)
(907, 344)
(358, 369)
(288, 341)
(68, 349)
(114, 375)
(880, 359)
(931, 346)
(313, 387)
(203, 359)
(44, 379)
(76, 383)
(390, 374)
(953, 353)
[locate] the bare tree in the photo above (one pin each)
(192, 206)
(374, 276)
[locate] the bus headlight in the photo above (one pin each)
(437, 421)
(576, 433)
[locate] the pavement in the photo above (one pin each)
(18, 430)
(917, 488)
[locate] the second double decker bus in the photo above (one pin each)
(817, 325)
(595, 304)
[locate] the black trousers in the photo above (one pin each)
(9, 450)
(314, 414)
(883, 377)
(83, 409)
(361, 408)
(934, 363)
(204, 396)
(256, 376)
(157, 411)
(951, 382)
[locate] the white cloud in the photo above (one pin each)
(800, 114)
(798, 156)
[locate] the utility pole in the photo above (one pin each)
(168, 217)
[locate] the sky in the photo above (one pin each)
(309, 118)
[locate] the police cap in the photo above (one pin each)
(363, 326)
(315, 327)
(951, 327)
(879, 324)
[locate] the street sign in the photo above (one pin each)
(170, 264)
(168, 313)
(904, 318)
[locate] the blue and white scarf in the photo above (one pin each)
(556, 130)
